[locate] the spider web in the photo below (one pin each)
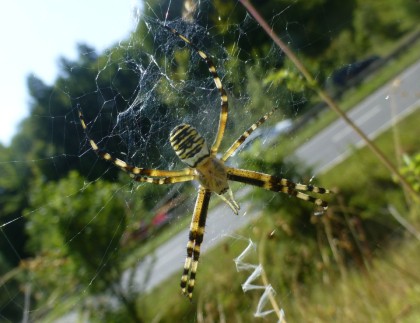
(142, 88)
(134, 94)
(173, 86)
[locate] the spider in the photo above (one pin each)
(210, 171)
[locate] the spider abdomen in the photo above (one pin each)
(189, 145)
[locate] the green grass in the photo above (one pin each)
(365, 281)
(388, 292)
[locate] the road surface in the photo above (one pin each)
(373, 115)
(331, 146)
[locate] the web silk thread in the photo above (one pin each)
(249, 284)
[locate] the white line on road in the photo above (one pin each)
(373, 135)
(360, 121)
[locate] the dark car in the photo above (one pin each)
(342, 76)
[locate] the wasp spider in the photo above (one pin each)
(211, 172)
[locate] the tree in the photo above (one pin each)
(74, 229)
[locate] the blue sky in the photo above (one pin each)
(34, 34)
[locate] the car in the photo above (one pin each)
(344, 75)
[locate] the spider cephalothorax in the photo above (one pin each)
(211, 172)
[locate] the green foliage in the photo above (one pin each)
(79, 226)
(411, 170)
(294, 82)
(12, 183)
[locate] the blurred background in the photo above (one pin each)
(79, 241)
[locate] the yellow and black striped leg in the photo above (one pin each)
(218, 83)
(278, 184)
(238, 142)
(163, 180)
(134, 171)
(194, 242)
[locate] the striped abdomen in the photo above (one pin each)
(189, 145)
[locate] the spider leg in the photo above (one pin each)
(194, 242)
(277, 184)
(245, 135)
(223, 96)
(134, 171)
(163, 180)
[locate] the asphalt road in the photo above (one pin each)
(373, 115)
(331, 146)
